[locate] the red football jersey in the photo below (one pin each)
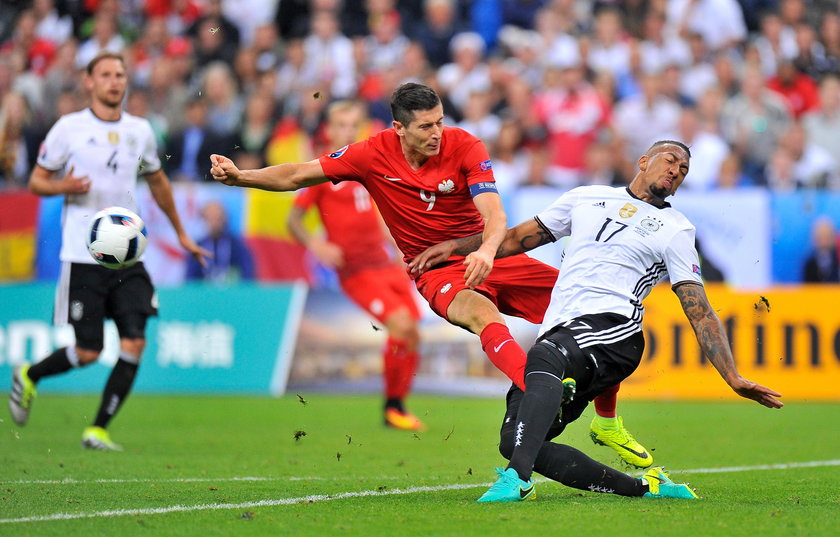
(421, 207)
(351, 222)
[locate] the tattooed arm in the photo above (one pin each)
(710, 335)
(526, 236)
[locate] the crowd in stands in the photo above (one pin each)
(562, 92)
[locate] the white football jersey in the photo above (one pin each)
(111, 154)
(619, 248)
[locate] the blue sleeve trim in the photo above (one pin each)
(481, 188)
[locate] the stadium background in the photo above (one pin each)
(262, 72)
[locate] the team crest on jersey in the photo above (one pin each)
(627, 211)
(339, 152)
(446, 186)
(113, 137)
(651, 224)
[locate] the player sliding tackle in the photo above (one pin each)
(433, 183)
(622, 242)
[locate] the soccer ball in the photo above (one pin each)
(116, 238)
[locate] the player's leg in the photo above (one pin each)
(607, 429)
(387, 296)
(445, 291)
(79, 301)
(547, 365)
(563, 463)
(480, 315)
(400, 360)
(130, 303)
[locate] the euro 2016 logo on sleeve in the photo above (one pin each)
(627, 211)
(340, 152)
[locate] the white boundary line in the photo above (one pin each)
(318, 497)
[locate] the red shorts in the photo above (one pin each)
(518, 285)
(381, 291)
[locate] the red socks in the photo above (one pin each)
(605, 403)
(504, 352)
(399, 367)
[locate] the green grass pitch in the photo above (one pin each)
(230, 466)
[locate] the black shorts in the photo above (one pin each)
(604, 350)
(87, 294)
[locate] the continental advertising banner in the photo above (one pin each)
(207, 339)
(784, 338)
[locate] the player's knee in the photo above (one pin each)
(87, 356)
(402, 326)
(133, 347)
(548, 357)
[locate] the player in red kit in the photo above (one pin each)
(432, 184)
(355, 247)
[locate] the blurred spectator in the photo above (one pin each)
(479, 120)
(386, 45)
(752, 122)
(149, 48)
(672, 87)
(726, 73)
(440, 24)
(823, 264)
(137, 104)
(708, 150)
(293, 77)
(642, 119)
(266, 47)
(37, 51)
(730, 174)
(778, 173)
(189, 149)
(607, 49)
(105, 36)
(798, 89)
(699, 75)
(572, 114)
(659, 48)
(467, 73)
(710, 109)
(51, 25)
(330, 55)
(212, 44)
(224, 103)
(248, 15)
(511, 161)
(830, 35)
(168, 93)
(257, 126)
(520, 13)
(525, 48)
(813, 166)
(178, 15)
(212, 17)
(822, 126)
(719, 22)
(776, 43)
(18, 141)
(231, 260)
(600, 166)
(60, 77)
(811, 56)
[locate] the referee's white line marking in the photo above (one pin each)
(328, 497)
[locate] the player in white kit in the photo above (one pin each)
(101, 150)
(622, 241)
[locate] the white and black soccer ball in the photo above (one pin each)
(116, 238)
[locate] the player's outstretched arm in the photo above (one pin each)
(280, 178)
(161, 190)
(522, 238)
(710, 335)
